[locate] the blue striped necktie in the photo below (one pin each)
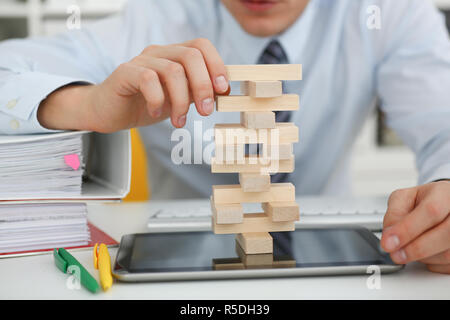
(274, 54)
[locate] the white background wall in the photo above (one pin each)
(375, 170)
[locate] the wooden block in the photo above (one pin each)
(255, 242)
(254, 222)
(250, 165)
(228, 213)
(254, 182)
(226, 134)
(235, 194)
(230, 154)
(262, 89)
(281, 151)
(264, 72)
(282, 211)
(284, 263)
(246, 103)
(251, 261)
(258, 120)
(227, 264)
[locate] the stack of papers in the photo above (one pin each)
(26, 227)
(32, 167)
(45, 180)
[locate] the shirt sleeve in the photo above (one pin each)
(31, 69)
(20, 96)
(413, 81)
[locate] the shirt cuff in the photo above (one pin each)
(21, 96)
(440, 173)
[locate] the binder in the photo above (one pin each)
(106, 177)
(108, 169)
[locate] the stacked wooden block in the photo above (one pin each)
(261, 89)
(252, 261)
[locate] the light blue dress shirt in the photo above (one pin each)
(346, 66)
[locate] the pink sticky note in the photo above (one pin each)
(72, 161)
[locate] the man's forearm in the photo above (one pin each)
(68, 108)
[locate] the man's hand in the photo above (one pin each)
(162, 81)
(416, 226)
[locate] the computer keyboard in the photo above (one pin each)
(195, 215)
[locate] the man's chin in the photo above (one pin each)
(261, 29)
(265, 18)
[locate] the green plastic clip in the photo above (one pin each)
(59, 261)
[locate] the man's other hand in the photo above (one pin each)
(416, 226)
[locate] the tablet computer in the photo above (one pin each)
(325, 250)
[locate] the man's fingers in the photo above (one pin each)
(178, 88)
(426, 215)
(430, 243)
(400, 203)
(138, 79)
(193, 70)
(152, 91)
(431, 211)
(174, 80)
(443, 268)
(196, 71)
(214, 63)
(199, 80)
(441, 258)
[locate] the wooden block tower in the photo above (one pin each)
(261, 89)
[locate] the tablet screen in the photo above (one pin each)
(205, 251)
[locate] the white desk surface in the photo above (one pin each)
(36, 277)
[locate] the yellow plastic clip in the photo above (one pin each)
(102, 262)
(95, 255)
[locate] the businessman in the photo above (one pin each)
(145, 67)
